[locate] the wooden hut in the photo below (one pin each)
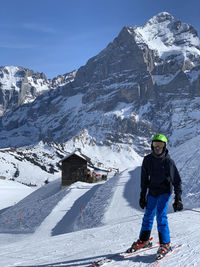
(75, 168)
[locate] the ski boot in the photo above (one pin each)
(163, 250)
(139, 244)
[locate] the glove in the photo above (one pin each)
(178, 205)
(142, 201)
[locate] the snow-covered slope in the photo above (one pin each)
(187, 159)
(12, 192)
(109, 222)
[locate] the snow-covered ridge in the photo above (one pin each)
(11, 77)
(159, 18)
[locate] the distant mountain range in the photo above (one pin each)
(146, 80)
(19, 86)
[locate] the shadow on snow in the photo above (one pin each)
(66, 224)
(86, 262)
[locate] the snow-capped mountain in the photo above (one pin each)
(145, 81)
(19, 86)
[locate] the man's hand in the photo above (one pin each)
(178, 205)
(142, 201)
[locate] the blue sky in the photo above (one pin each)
(58, 36)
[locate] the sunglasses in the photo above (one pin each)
(158, 144)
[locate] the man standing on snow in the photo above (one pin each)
(158, 175)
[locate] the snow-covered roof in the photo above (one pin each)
(77, 153)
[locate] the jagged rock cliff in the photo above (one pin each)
(145, 81)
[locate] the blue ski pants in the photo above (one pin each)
(157, 206)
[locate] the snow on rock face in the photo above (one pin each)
(19, 86)
(152, 69)
(160, 17)
(171, 38)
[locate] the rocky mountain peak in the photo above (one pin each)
(160, 18)
(164, 31)
(125, 33)
(19, 86)
(130, 90)
(7, 72)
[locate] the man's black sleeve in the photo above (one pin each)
(176, 179)
(144, 177)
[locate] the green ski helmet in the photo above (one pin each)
(160, 137)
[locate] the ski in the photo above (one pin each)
(126, 255)
(174, 249)
(120, 256)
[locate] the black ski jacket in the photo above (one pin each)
(160, 175)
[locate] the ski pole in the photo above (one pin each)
(193, 210)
